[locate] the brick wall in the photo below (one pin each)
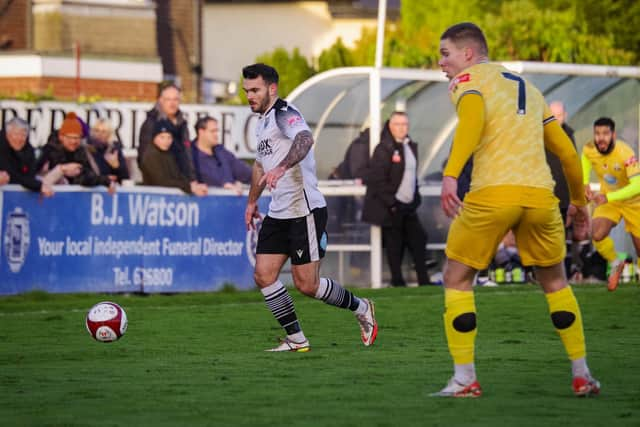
(65, 88)
(101, 35)
(180, 42)
(14, 25)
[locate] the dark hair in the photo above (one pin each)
(605, 121)
(167, 85)
(268, 73)
(466, 31)
(201, 123)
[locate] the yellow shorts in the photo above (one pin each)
(614, 211)
(475, 234)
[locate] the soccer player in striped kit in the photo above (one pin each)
(295, 225)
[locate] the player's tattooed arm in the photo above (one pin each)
(299, 148)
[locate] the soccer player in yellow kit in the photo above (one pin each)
(618, 171)
(505, 124)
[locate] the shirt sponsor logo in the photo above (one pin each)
(466, 77)
(264, 148)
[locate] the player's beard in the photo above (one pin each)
(612, 144)
(266, 102)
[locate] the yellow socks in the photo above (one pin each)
(606, 247)
(566, 317)
(460, 324)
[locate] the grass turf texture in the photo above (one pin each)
(198, 360)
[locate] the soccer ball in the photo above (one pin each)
(106, 321)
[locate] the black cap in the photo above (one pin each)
(162, 126)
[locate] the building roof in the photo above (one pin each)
(338, 8)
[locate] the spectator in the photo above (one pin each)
(159, 166)
(356, 160)
(18, 159)
(215, 165)
(507, 259)
(347, 210)
(168, 108)
(464, 180)
(573, 263)
(561, 189)
(106, 152)
(71, 158)
(392, 198)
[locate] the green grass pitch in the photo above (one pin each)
(198, 359)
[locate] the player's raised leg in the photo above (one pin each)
(460, 329)
(567, 319)
(279, 301)
(307, 279)
(606, 247)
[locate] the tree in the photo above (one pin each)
(338, 55)
(523, 31)
(293, 68)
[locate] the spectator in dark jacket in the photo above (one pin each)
(18, 159)
(168, 108)
(71, 157)
(393, 196)
(561, 190)
(106, 151)
(356, 160)
(159, 166)
(215, 165)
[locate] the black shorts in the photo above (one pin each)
(303, 239)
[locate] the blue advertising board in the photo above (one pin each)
(140, 239)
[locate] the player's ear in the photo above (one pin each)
(273, 89)
(468, 53)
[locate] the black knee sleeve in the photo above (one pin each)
(466, 322)
(562, 319)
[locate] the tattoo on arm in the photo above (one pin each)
(299, 148)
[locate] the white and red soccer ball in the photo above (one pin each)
(106, 321)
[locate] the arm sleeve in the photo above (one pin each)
(586, 169)
(557, 141)
(628, 191)
(241, 170)
(468, 134)
(123, 171)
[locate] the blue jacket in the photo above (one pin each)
(220, 168)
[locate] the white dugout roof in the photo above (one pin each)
(339, 103)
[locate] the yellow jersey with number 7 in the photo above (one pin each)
(511, 150)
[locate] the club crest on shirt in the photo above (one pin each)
(294, 120)
(631, 161)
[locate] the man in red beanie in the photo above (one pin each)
(71, 158)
